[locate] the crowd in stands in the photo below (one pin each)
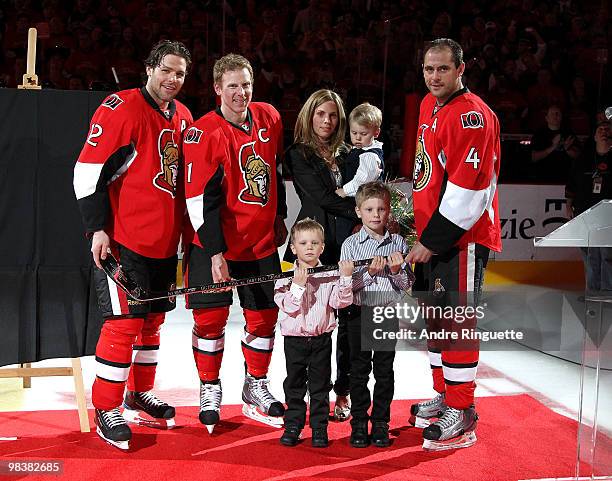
(522, 56)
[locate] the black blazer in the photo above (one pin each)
(316, 189)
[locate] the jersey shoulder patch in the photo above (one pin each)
(193, 135)
(472, 120)
(112, 101)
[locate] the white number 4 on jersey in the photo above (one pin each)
(472, 158)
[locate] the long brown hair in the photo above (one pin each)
(304, 132)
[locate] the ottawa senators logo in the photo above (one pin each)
(192, 136)
(112, 102)
(169, 162)
(472, 120)
(422, 163)
(256, 175)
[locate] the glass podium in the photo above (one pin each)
(592, 230)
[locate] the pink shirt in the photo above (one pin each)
(309, 310)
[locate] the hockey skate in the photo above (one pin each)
(259, 404)
(454, 430)
(111, 427)
(342, 408)
(422, 413)
(210, 404)
(145, 409)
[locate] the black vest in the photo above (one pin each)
(351, 163)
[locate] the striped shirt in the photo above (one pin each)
(309, 310)
(384, 288)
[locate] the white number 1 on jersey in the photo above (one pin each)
(189, 166)
(472, 158)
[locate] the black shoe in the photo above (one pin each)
(359, 435)
(319, 438)
(380, 434)
(291, 436)
(148, 403)
(111, 427)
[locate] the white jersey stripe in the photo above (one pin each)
(207, 345)
(463, 207)
(464, 374)
(489, 208)
(86, 178)
(113, 291)
(145, 356)
(259, 343)
(435, 359)
(471, 267)
(112, 373)
(195, 207)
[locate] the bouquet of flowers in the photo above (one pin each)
(401, 219)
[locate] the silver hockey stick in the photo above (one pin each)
(138, 293)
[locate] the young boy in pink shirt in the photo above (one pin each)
(307, 320)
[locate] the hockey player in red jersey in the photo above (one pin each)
(236, 204)
(130, 196)
(455, 205)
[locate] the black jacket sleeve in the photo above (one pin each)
(211, 233)
(440, 234)
(95, 208)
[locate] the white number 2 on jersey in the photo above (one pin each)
(95, 132)
(472, 158)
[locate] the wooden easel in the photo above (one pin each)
(26, 371)
(30, 79)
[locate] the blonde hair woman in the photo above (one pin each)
(321, 125)
(315, 163)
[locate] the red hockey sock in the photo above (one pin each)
(107, 395)
(460, 396)
(438, 379)
(208, 340)
(113, 360)
(258, 340)
(460, 374)
(145, 354)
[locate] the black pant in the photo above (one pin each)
(255, 297)
(308, 361)
(362, 363)
(343, 355)
(152, 274)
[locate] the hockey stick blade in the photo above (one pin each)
(112, 268)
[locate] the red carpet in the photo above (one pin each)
(518, 438)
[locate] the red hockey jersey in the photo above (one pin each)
(231, 182)
(125, 179)
(456, 169)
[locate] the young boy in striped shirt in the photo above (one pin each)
(381, 283)
(307, 319)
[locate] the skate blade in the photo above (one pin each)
(123, 445)
(463, 441)
(419, 422)
(253, 413)
(142, 419)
